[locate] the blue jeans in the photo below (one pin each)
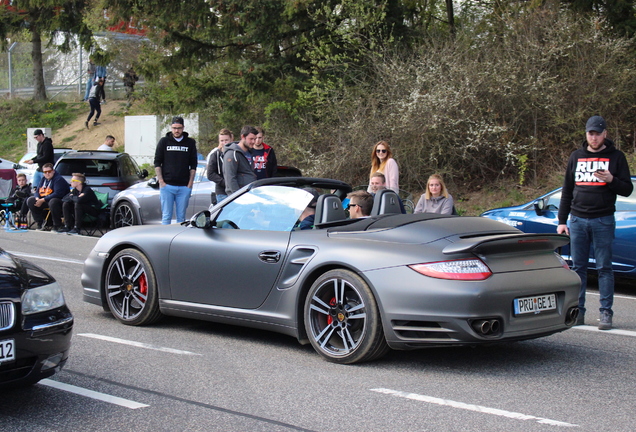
(170, 196)
(37, 176)
(596, 234)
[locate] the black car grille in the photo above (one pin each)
(7, 315)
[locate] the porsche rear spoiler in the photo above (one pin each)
(507, 243)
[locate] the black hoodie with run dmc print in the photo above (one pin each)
(584, 195)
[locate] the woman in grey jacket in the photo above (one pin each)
(436, 199)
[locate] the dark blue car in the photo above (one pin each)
(540, 216)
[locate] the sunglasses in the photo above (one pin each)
(352, 205)
(47, 172)
(380, 151)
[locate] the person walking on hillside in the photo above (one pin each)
(596, 173)
(238, 166)
(95, 97)
(175, 166)
(130, 78)
(90, 77)
(44, 155)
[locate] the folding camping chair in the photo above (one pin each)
(101, 222)
(8, 180)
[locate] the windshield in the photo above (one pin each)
(269, 208)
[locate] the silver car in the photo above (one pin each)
(353, 288)
(140, 204)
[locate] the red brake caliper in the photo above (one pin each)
(332, 302)
(143, 285)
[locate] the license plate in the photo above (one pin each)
(535, 304)
(7, 350)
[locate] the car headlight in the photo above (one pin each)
(42, 299)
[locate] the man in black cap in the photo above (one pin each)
(175, 166)
(595, 174)
(44, 154)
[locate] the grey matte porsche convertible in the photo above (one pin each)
(351, 288)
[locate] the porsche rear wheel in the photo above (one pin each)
(131, 288)
(342, 319)
(124, 215)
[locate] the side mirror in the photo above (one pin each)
(539, 206)
(153, 183)
(201, 220)
(143, 174)
(17, 166)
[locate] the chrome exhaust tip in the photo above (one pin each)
(487, 327)
(571, 315)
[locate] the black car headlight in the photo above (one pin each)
(43, 298)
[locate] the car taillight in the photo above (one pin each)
(466, 269)
(563, 262)
(116, 186)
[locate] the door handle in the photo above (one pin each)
(269, 257)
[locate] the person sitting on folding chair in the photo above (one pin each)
(48, 195)
(18, 200)
(80, 201)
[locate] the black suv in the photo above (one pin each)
(106, 171)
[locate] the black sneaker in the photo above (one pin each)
(96, 123)
(605, 321)
(58, 230)
(64, 230)
(74, 231)
(86, 124)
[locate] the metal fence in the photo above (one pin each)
(65, 74)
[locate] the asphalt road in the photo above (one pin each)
(186, 375)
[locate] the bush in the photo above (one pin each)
(509, 103)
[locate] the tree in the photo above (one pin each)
(58, 21)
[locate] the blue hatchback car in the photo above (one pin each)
(540, 216)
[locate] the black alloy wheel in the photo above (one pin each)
(131, 288)
(342, 319)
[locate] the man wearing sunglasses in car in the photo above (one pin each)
(360, 204)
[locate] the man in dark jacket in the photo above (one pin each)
(44, 155)
(595, 174)
(215, 166)
(238, 166)
(175, 166)
(48, 194)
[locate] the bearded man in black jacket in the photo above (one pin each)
(175, 166)
(596, 173)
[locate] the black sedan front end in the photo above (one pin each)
(35, 323)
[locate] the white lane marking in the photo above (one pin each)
(615, 296)
(64, 260)
(93, 394)
(471, 407)
(612, 331)
(138, 344)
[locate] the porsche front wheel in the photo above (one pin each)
(342, 319)
(131, 288)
